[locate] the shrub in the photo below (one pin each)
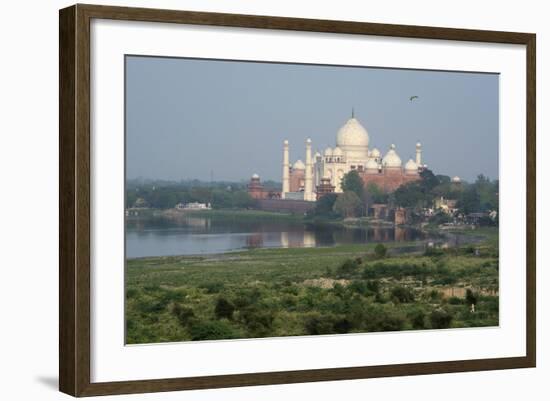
(417, 318)
(247, 297)
(184, 314)
(455, 301)
(224, 309)
(380, 251)
(317, 324)
(434, 295)
(440, 319)
(213, 330)
(258, 322)
(373, 286)
(348, 267)
(342, 326)
(386, 321)
(361, 287)
(212, 287)
(402, 294)
(432, 251)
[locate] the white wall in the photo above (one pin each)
(28, 197)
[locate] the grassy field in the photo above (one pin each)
(308, 291)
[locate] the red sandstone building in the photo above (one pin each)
(257, 191)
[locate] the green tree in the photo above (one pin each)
(410, 195)
(131, 198)
(325, 205)
(352, 182)
(429, 181)
(443, 179)
(469, 202)
(242, 200)
(347, 204)
(380, 251)
(375, 194)
(471, 298)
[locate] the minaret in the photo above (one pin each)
(418, 154)
(308, 185)
(286, 167)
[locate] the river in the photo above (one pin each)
(194, 235)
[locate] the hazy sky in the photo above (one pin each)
(188, 118)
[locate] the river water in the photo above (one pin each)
(193, 235)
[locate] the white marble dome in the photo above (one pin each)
(391, 159)
(299, 165)
(353, 139)
(337, 151)
(456, 179)
(255, 176)
(375, 153)
(352, 133)
(411, 166)
(371, 165)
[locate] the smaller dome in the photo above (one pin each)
(308, 140)
(418, 145)
(375, 152)
(411, 166)
(337, 151)
(371, 165)
(285, 142)
(317, 154)
(456, 179)
(299, 165)
(255, 176)
(391, 159)
(328, 152)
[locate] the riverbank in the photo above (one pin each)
(232, 214)
(304, 291)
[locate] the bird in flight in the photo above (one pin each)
(413, 97)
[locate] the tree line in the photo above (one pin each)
(478, 197)
(166, 195)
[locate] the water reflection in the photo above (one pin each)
(200, 235)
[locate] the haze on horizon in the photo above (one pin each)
(203, 119)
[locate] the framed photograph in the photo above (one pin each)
(250, 200)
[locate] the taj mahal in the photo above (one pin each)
(323, 173)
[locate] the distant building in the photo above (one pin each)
(257, 191)
(400, 216)
(325, 187)
(380, 211)
(446, 205)
(193, 206)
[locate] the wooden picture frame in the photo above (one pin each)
(74, 203)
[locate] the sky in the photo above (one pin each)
(226, 120)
